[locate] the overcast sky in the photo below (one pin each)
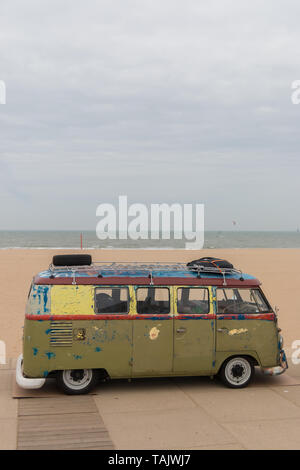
(162, 101)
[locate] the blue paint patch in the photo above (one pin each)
(77, 357)
(48, 331)
(97, 349)
(39, 302)
(46, 291)
(35, 351)
(189, 317)
(50, 355)
(45, 373)
(140, 272)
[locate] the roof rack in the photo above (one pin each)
(106, 268)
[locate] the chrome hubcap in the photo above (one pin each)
(77, 379)
(238, 371)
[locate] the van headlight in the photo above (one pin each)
(280, 341)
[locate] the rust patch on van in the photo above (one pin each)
(154, 332)
(237, 332)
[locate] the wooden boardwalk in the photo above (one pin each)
(68, 422)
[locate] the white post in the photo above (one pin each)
(2, 353)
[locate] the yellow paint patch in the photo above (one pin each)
(72, 300)
(237, 332)
(132, 305)
(154, 332)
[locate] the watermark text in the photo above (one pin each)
(157, 221)
(296, 352)
(2, 92)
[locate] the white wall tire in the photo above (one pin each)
(237, 372)
(77, 381)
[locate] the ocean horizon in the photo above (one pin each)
(71, 239)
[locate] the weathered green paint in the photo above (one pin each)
(193, 346)
(152, 347)
(107, 345)
(249, 335)
(141, 347)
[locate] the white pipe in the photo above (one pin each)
(2, 353)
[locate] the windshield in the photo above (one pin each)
(241, 301)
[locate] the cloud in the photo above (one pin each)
(162, 101)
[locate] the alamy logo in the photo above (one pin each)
(158, 221)
(2, 92)
(295, 97)
(296, 352)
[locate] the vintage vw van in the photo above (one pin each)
(86, 321)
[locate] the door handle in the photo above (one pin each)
(222, 330)
(181, 330)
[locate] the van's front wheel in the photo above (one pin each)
(77, 381)
(237, 372)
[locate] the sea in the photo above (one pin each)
(212, 240)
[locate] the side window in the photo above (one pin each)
(192, 300)
(111, 300)
(153, 300)
(241, 301)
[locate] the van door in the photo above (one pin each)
(194, 331)
(246, 323)
(152, 332)
(110, 339)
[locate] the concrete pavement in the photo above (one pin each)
(196, 413)
(8, 410)
(184, 413)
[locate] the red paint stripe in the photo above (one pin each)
(95, 317)
(249, 316)
(196, 316)
(145, 281)
(265, 316)
(117, 317)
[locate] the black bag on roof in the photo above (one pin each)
(72, 260)
(210, 262)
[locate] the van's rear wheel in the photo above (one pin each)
(77, 381)
(237, 372)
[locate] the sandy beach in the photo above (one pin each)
(277, 269)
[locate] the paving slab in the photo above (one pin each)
(8, 433)
(293, 370)
(49, 389)
(8, 406)
(291, 394)
(263, 380)
(248, 404)
(141, 395)
(10, 365)
(236, 446)
(281, 434)
(6, 379)
(169, 429)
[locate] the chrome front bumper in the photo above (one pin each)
(277, 370)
